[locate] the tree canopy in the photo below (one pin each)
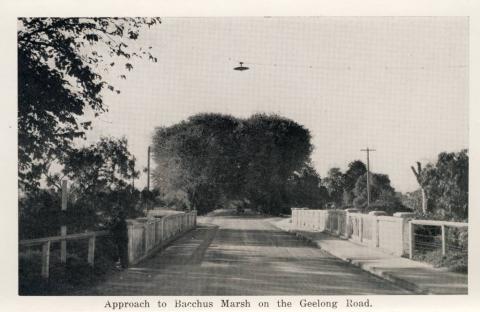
(335, 185)
(102, 166)
(446, 185)
(100, 189)
(61, 67)
(212, 158)
(341, 185)
(355, 170)
(305, 189)
(349, 189)
(382, 194)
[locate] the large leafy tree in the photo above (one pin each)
(212, 158)
(198, 160)
(355, 170)
(104, 166)
(306, 189)
(382, 194)
(334, 182)
(61, 67)
(274, 148)
(446, 183)
(100, 188)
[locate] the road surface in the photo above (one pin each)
(241, 255)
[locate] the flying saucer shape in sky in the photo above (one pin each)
(241, 67)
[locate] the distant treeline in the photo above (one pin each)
(262, 162)
(212, 161)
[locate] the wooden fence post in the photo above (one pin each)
(163, 228)
(45, 259)
(411, 238)
(91, 250)
(444, 243)
(63, 228)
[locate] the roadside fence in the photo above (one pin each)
(399, 234)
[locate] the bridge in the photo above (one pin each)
(225, 253)
(229, 254)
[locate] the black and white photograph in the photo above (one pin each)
(319, 161)
(243, 155)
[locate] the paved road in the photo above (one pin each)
(242, 255)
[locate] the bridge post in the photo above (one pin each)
(360, 229)
(163, 228)
(339, 222)
(146, 237)
(155, 224)
(405, 216)
(130, 230)
(91, 250)
(411, 238)
(348, 221)
(45, 259)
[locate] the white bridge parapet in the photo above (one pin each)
(147, 235)
(376, 229)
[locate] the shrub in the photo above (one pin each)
(63, 278)
(453, 261)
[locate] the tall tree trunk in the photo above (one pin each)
(424, 201)
(418, 174)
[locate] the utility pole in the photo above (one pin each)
(148, 170)
(368, 150)
(133, 174)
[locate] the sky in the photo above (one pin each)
(398, 85)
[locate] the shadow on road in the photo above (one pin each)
(228, 255)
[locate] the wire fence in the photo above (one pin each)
(441, 238)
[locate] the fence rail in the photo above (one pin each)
(46, 243)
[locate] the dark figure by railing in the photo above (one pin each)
(120, 237)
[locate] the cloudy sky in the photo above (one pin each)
(399, 85)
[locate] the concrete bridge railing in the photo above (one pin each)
(147, 235)
(393, 234)
(375, 229)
